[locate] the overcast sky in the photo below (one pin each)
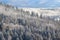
(34, 3)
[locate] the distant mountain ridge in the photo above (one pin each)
(43, 11)
(13, 11)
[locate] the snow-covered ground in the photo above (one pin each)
(13, 11)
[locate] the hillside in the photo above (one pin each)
(29, 23)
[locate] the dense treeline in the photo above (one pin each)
(27, 28)
(29, 34)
